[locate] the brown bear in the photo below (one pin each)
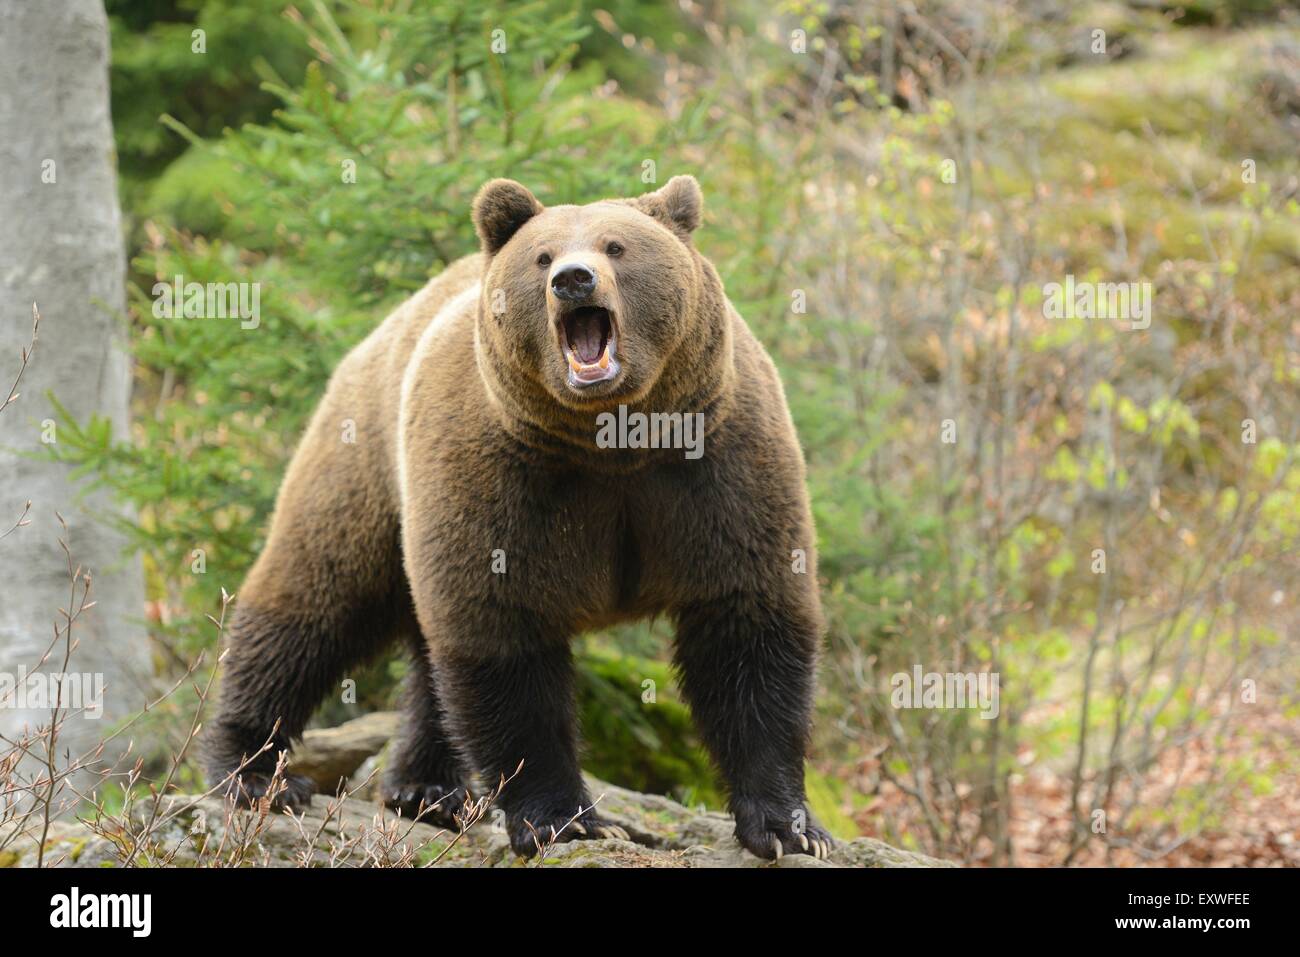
(470, 483)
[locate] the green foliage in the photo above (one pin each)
(158, 68)
(637, 733)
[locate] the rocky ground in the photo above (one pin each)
(193, 831)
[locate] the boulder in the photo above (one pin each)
(327, 755)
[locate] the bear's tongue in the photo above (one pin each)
(587, 333)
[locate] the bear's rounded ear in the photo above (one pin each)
(500, 208)
(678, 205)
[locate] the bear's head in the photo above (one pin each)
(586, 307)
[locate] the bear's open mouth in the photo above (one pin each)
(589, 341)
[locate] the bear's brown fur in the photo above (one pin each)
(476, 515)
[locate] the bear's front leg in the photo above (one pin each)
(747, 667)
(508, 691)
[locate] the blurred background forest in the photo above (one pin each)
(888, 186)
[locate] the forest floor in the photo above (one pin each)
(1250, 823)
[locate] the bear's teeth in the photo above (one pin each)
(604, 358)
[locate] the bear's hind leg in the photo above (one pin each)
(425, 777)
(278, 668)
(327, 593)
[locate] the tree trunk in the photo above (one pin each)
(61, 247)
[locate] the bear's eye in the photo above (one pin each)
(544, 259)
(614, 249)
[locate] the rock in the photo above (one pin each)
(676, 836)
(192, 831)
(327, 755)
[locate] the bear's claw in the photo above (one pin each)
(602, 831)
(248, 789)
(771, 836)
(435, 804)
(526, 834)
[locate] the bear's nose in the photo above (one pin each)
(573, 281)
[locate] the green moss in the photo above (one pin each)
(77, 848)
(826, 801)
